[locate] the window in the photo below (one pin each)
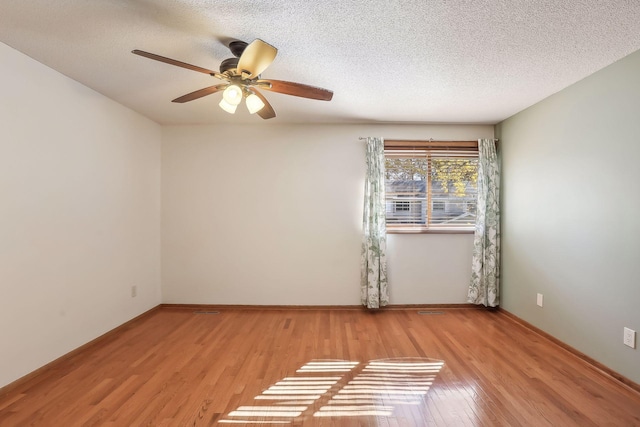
(431, 185)
(438, 205)
(401, 207)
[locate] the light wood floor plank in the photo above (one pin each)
(178, 368)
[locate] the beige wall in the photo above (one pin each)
(570, 214)
(272, 214)
(79, 214)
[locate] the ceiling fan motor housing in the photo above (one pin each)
(228, 64)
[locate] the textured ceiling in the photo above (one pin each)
(418, 61)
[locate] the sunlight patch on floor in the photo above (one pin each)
(341, 388)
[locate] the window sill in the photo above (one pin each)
(398, 230)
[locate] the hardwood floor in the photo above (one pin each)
(462, 367)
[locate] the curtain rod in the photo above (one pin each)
(430, 139)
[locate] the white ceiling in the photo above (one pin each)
(418, 61)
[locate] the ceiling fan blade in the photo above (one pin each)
(174, 62)
(200, 93)
(257, 56)
(266, 112)
(297, 89)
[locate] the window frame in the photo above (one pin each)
(409, 145)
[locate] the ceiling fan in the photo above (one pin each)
(241, 76)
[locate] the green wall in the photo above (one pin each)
(571, 214)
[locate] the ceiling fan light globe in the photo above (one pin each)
(229, 108)
(232, 95)
(254, 103)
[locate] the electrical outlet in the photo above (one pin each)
(539, 302)
(629, 337)
(134, 291)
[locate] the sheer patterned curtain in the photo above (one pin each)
(485, 269)
(373, 265)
